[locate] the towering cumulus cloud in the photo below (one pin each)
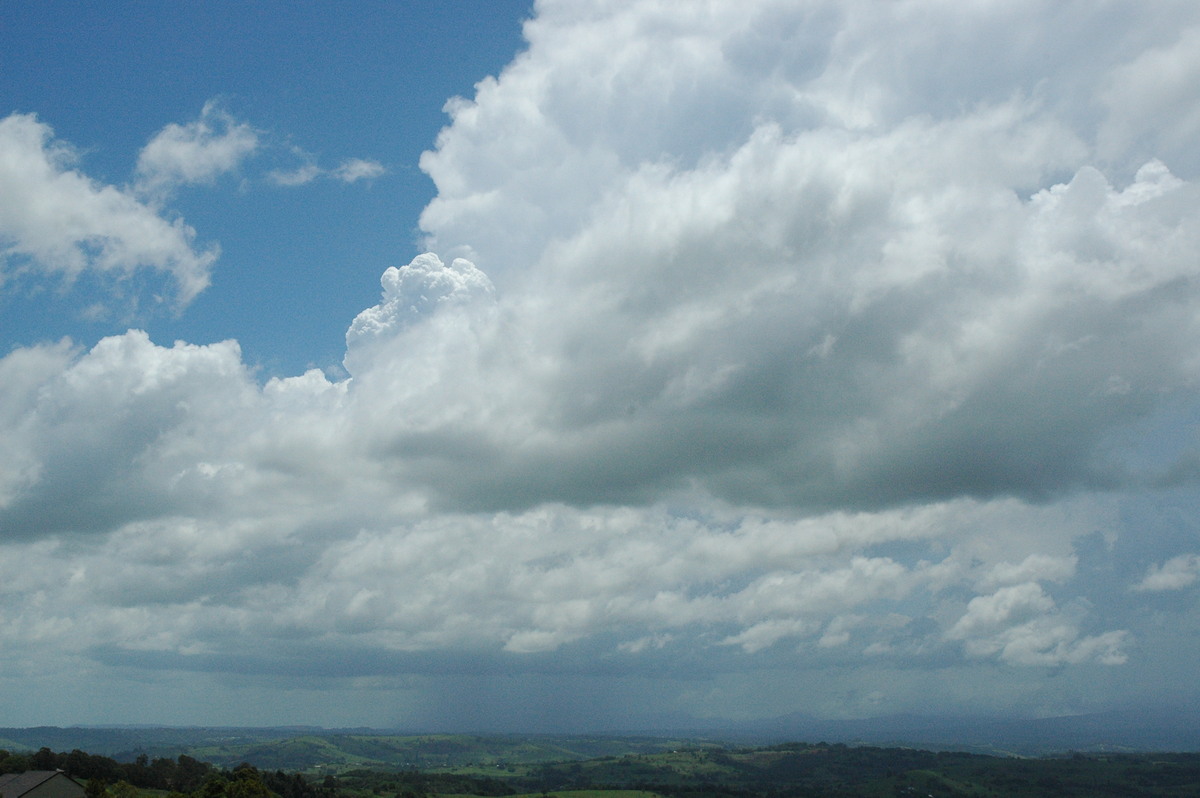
(824, 356)
(413, 292)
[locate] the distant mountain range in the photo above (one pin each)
(1126, 730)
(303, 748)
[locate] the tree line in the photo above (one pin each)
(183, 777)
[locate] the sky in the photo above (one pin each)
(587, 365)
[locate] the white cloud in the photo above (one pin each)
(1034, 568)
(440, 308)
(222, 506)
(958, 317)
(354, 169)
(954, 266)
(1048, 643)
(350, 170)
(767, 633)
(54, 218)
(198, 152)
(1008, 605)
(797, 336)
(300, 176)
(412, 292)
(1022, 625)
(1174, 574)
(1152, 102)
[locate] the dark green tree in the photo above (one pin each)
(94, 788)
(44, 759)
(122, 789)
(214, 786)
(246, 782)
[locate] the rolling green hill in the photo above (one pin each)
(799, 770)
(462, 766)
(337, 753)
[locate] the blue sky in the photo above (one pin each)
(364, 80)
(593, 366)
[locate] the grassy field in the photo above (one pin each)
(481, 755)
(465, 766)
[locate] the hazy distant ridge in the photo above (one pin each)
(303, 748)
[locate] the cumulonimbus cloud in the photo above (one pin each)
(785, 341)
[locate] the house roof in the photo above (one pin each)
(14, 785)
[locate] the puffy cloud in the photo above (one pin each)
(602, 91)
(215, 508)
(825, 320)
(198, 152)
(886, 270)
(435, 304)
(100, 436)
(1008, 604)
(411, 293)
(1034, 568)
(1174, 574)
(54, 218)
(1022, 626)
(797, 337)
(852, 285)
